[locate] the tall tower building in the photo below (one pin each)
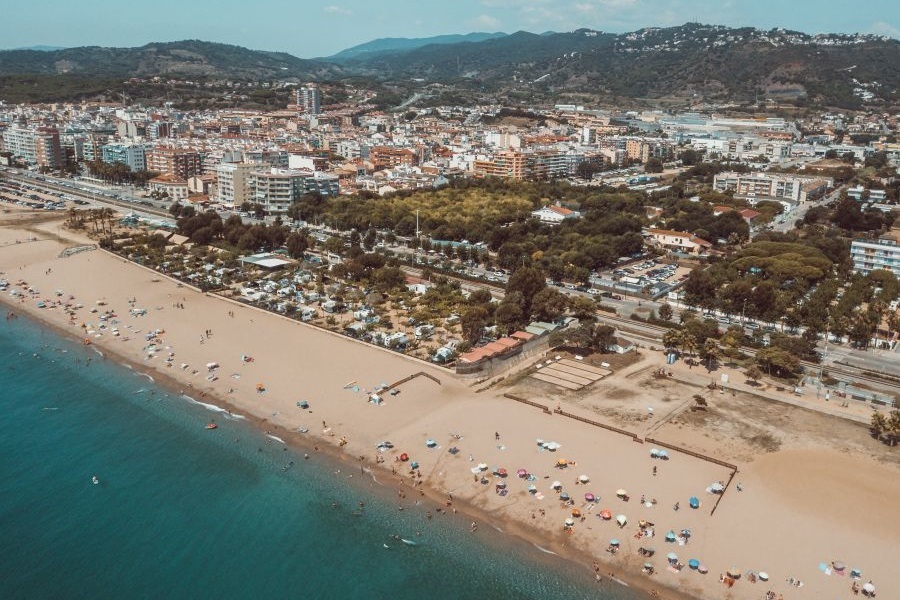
(310, 98)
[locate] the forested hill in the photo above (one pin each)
(692, 61)
(684, 64)
(186, 58)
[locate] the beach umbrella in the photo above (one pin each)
(589, 497)
(522, 473)
(702, 569)
(501, 472)
(868, 588)
(694, 502)
(569, 522)
(583, 478)
(605, 514)
(763, 576)
(453, 450)
(532, 488)
(654, 452)
(621, 520)
(838, 565)
(482, 466)
(734, 573)
(564, 496)
(613, 542)
(648, 566)
(556, 485)
(717, 487)
(672, 557)
(693, 563)
(664, 454)
(430, 443)
(404, 457)
(501, 484)
(562, 463)
(413, 465)
(576, 513)
(540, 442)
(686, 533)
(670, 536)
(621, 493)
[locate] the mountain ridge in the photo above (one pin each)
(680, 64)
(399, 44)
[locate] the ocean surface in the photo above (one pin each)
(182, 512)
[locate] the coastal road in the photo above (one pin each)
(82, 190)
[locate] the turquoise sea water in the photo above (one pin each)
(182, 512)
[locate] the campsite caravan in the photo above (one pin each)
(423, 332)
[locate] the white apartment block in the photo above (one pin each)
(133, 155)
(234, 183)
(870, 255)
(273, 189)
(759, 186)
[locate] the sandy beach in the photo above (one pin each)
(808, 501)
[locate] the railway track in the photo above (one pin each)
(654, 333)
(49, 185)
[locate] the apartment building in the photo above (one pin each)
(309, 97)
(277, 189)
(389, 157)
(37, 146)
(532, 164)
(881, 253)
(761, 186)
(234, 183)
(133, 155)
(175, 161)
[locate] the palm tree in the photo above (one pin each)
(710, 352)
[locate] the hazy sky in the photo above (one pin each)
(309, 28)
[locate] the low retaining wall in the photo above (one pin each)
(721, 463)
(528, 402)
(411, 377)
(612, 428)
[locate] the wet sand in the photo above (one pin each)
(797, 508)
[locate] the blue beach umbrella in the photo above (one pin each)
(613, 542)
(670, 536)
(694, 502)
(693, 563)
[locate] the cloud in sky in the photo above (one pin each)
(485, 22)
(883, 28)
(338, 10)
